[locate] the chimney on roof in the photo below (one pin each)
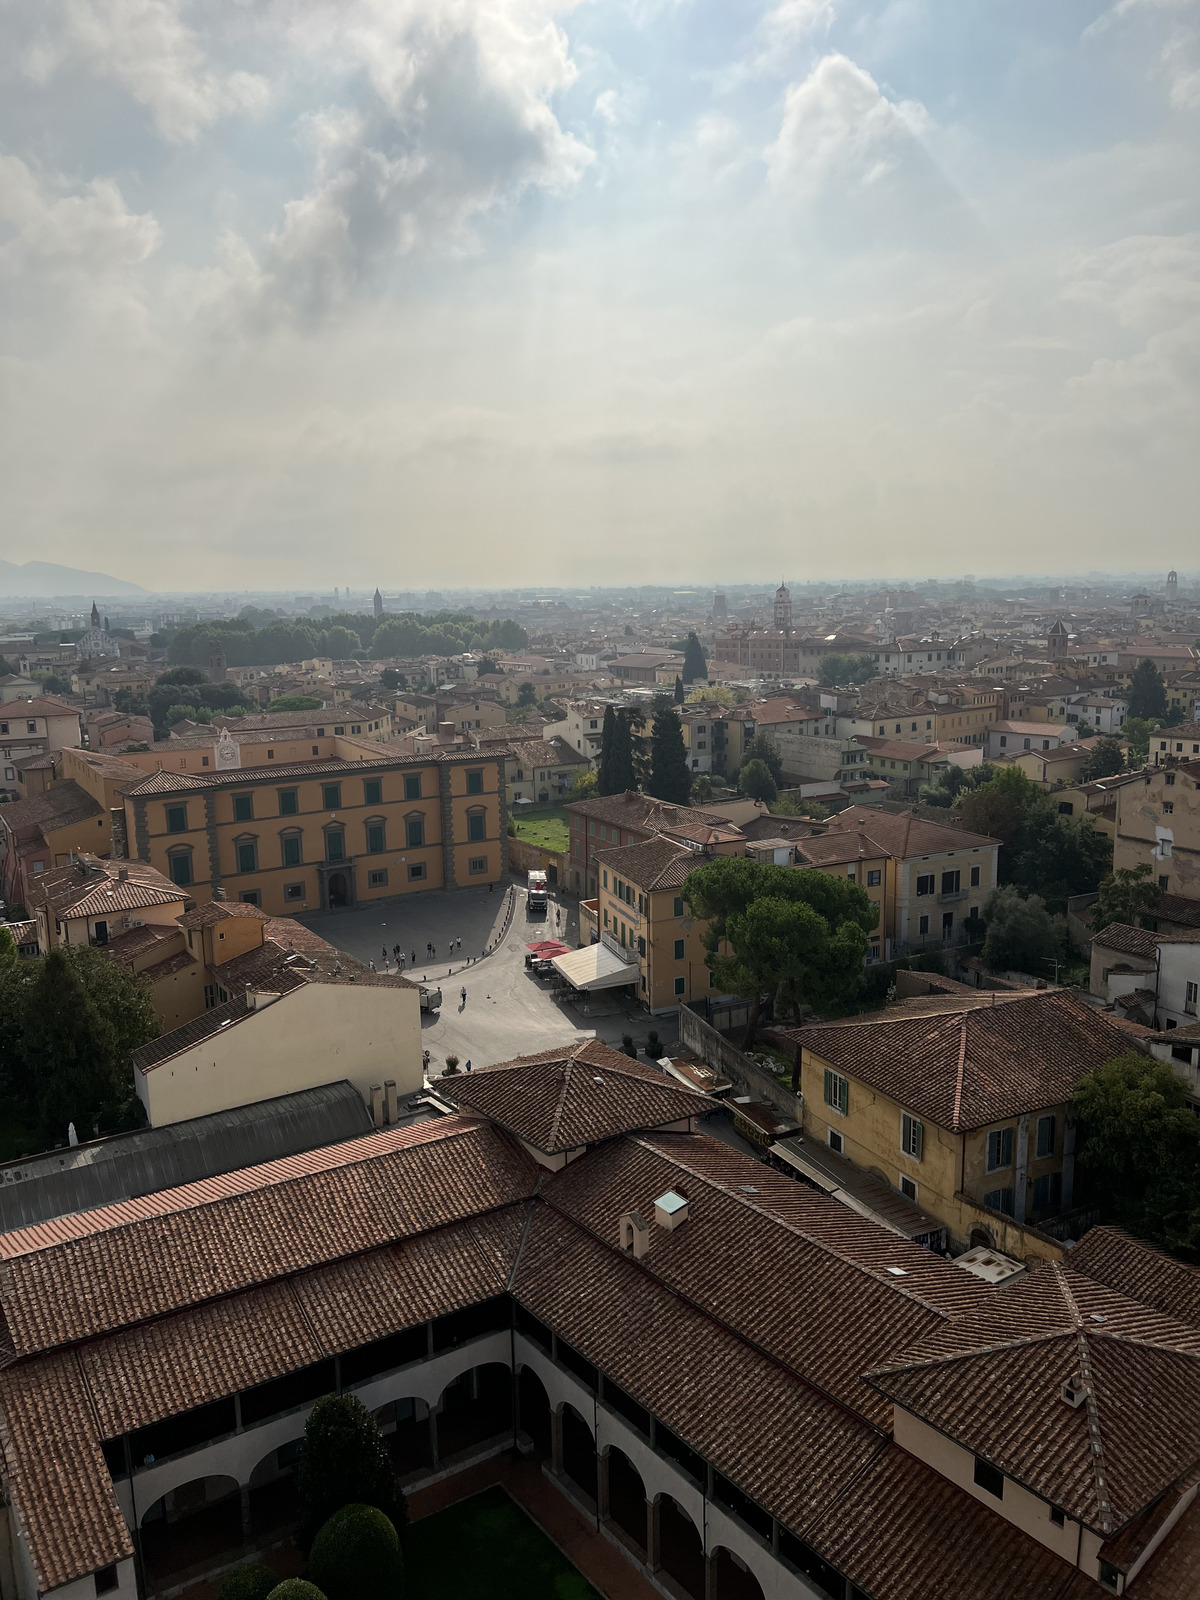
(1074, 1391)
(219, 892)
(377, 1104)
(389, 1101)
(122, 874)
(634, 1236)
(671, 1210)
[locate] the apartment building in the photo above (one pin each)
(1012, 738)
(632, 818)
(560, 1241)
(322, 833)
(1158, 823)
(33, 727)
(1181, 743)
(540, 771)
(640, 914)
(924, 1093)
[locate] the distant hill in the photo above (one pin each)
(44, 579)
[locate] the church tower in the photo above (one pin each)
(1172, 585)
(783, 609)
(95, 615)
(1057, 641)
(378, 604)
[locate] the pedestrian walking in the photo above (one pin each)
(414, 958)
(464, 994)
(385, 957)
(459, 943)
(468, 1063)
(372, 964)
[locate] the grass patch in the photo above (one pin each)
(549, 829)
(486, 1548)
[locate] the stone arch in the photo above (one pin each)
(192, 1528)
(732, 1579)
(533, 1405)
(981, 1236)
(404, 1423)
(474, 1408)
(680, 1549)
(578, 1451)
(272, 1489)
(627, 1499)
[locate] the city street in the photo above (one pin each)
(508, 1012)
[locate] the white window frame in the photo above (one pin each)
(840, 1087)
(912, 1136)
(998, 1134)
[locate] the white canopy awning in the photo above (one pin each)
(594, 967)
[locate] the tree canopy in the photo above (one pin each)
(1126, 895)
(756, 781)
(1040, 851)
(839, 669)
(356, 1556)
(1147, 693)
(1139, 1150)
(617, 772)
(69, 1021)
(763, 748)
(1021, 933)
(1106, 759)
(296, 702)
(344, 1460)
(342, 634)
(669, 778)
(790, 933)
(694, 664)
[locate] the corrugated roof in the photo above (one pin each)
(127, 1166)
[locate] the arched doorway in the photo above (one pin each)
(579, 1453)
(732, 1578)
(680, 1552)
(192, 1529)
(404, 1424)
(339, 893)
(273, 1489)
(534, 1405)
(474, 1409)
(627, 1499)
(982, 1236)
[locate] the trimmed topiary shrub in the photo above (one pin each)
(252, 1582)
(295, 1589)
(356, 1556)
(344, 1461)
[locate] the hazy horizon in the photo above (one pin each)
(485, 293)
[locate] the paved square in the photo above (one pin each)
(508, 1012)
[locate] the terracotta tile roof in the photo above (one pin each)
(546, 753)
(903, 835)
(1135, 1537)
(164, 782)
(60, 807)
(898, 749)
(214, 911)
(148, 1056)
(560, 1099)
(1135, 1268)
(135, 941)
(657, 863)
(783, 1443)
(784, 1232)
(962, 1065)
(1137, 1430)
(838, 846)
(168, 966)
(905, 1532)
(40, 706)
(95, 888)
(145, 1258)
(1178, 908)
(1173, 1571)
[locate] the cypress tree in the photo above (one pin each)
(623, 772)
(694, 664)
(1147, 696)
(678, 690)
(607, 741)
(73, 1070)
(669, 775)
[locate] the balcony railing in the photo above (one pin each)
(952, 894)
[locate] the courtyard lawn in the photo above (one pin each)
(486, 1548)
(550, 829)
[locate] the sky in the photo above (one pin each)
(296, 293)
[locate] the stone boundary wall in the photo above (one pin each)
(719, 1052)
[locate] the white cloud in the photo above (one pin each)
(786, 26)
(57, 232)
(1179, 41)
(147, 48)
(840, 129)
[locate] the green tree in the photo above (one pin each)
(702, 789)
(678, 691)
(998, 810)
(344, 1460)
(291, 1589)
(356, 1556)
(1126, 895)
(618, 771)
(1058, 857)
(715, 694)
(254, 1581)
(839, 669)
(1139, 1150)
(7, 668)
(1021, 933)
(187, 713)
(296, 702)
(794, 805)
(694, 664)
(756, 781)
(80, 1018)
(1147, 694)
(1106, 759)
(527, 695)
(791, 932)
(1136, 732)
(51, 684)
(763, 748)
(178, 675)
(669, 775)
(8, 950)
(390, 679)
(585, 785)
